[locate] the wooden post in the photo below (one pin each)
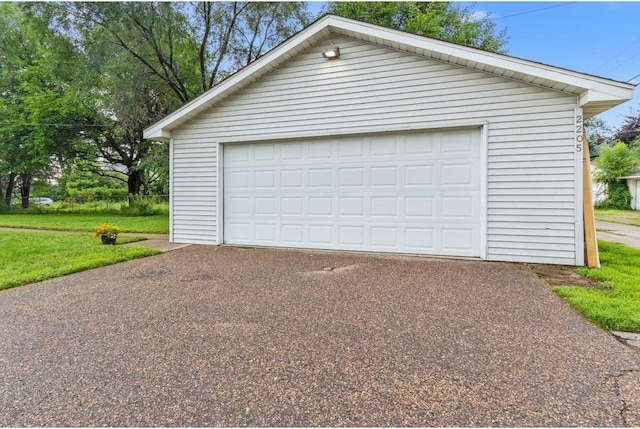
(592, 259)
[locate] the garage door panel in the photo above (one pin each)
(420, 239)
(457, 239)
(238, 180)
(458, 207)
(384, 147)
(292, 179)
(320, 150)
(384, 207)
(459, 143)
(459, 174)
(385, 236)
(320, 178)
(264, 179)
(355, 149)
(321, 235)
(237, 232)
(238, 206)
(419, 175)
(419, 144)
(265, 233)
(292, 206)
(292, 234)
(264, 152)
(412, 193)
(420, 207)
(291, 151)
(265, 206)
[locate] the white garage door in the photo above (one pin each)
(404, 193)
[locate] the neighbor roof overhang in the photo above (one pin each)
(632, 176)
(596, 94)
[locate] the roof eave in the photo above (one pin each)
(594, 102)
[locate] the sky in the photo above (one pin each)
(600, 38)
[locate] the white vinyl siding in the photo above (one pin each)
(193, 190)
(530, 160)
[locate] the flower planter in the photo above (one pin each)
(108, 240)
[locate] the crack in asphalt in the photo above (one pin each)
(617, 390)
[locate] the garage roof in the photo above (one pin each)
(596, 94)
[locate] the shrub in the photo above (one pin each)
(618, 197)
(614, 163)
(142, 206)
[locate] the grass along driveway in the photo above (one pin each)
(28, 257)
(617, 308)
(155, 224)
(627, 217)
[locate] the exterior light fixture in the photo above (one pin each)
(332, 53)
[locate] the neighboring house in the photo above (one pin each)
(633, 182)
(598, 189)
(402, 144)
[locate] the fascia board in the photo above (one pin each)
(593, 95)
(517, 65)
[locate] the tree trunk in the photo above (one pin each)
(25, 189)
(134, 181)
(11, 183)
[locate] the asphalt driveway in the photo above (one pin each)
(618, 233)
(205, 336)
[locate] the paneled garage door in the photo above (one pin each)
(404, 193)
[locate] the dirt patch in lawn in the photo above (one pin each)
(560, 275)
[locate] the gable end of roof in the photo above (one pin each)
(596, 94)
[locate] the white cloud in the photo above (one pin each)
(478, 15)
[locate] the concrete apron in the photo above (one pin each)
(155, 241)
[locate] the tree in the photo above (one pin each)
(189, 46)
(630, 129)
(147, 59)
(613, 163)
(157, 167)
(132, 102)
(44, 112)
(597, 131)
(439, 20)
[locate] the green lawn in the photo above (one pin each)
(617, 309)
(86, 222)
(629, 217)
(27, 257)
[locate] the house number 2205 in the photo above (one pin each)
(579, 133)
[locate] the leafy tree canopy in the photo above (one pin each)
(615, 162)
(440, 20)
(146, 59)
(630, 129)
(188, 46)
(44, 111)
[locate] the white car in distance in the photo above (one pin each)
(42, 202)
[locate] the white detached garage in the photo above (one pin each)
(402, 144)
